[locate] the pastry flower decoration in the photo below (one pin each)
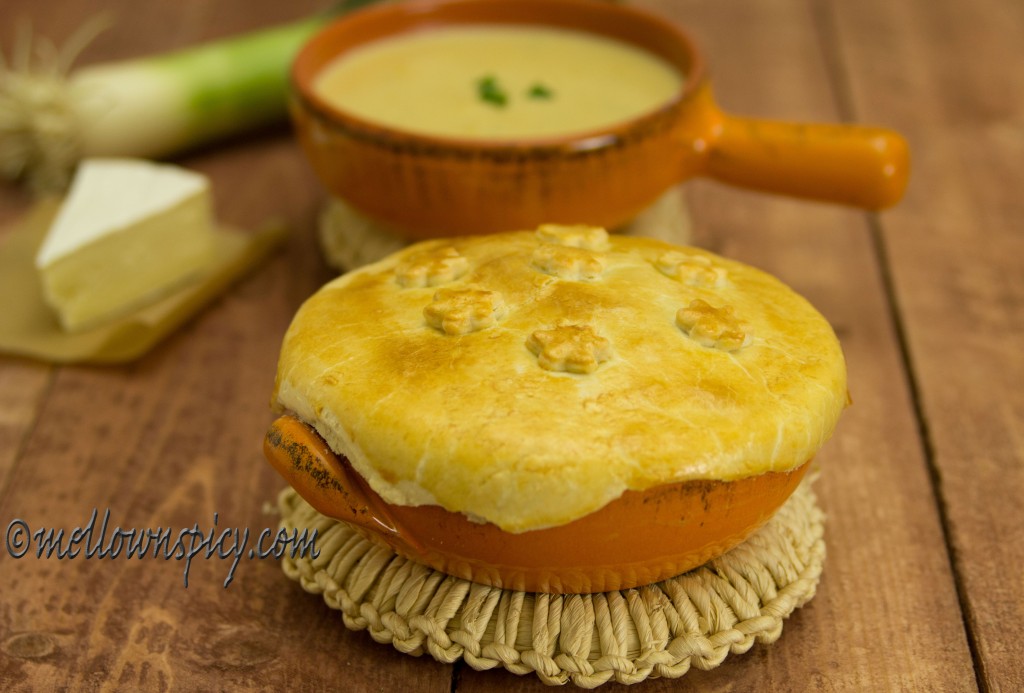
(567, 263)
(578, 236)
(431, 268)
(692, 270)
(464, 310)
(572, 348)
(710, 326)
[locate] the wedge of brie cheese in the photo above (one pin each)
(129, 232)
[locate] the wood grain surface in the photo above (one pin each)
(923, 588)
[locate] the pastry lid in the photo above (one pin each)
(527, 379)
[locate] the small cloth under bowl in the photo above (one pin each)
(660, 630)
(350, 239)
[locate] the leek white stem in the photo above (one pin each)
(150, 107)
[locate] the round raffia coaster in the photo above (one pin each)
(660, 630)
(349, 239)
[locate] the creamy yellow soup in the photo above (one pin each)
(498, 82)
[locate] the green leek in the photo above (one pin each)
(148, 107)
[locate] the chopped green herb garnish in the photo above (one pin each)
(488, 89)
(539, 91)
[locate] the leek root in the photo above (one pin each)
(52, 117)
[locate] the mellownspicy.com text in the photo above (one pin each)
(97, 540)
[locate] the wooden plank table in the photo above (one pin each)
(923, 589)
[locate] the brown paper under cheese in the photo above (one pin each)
(29, 327)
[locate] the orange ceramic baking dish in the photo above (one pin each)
(428, 186)
(637, 539)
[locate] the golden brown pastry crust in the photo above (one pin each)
(536, 379)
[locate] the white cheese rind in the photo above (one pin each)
(128, 232)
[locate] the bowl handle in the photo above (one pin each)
(327, 483)
(849, 164)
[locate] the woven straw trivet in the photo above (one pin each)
(349, 239)
(660, 630)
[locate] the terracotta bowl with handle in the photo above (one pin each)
(429, 186)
